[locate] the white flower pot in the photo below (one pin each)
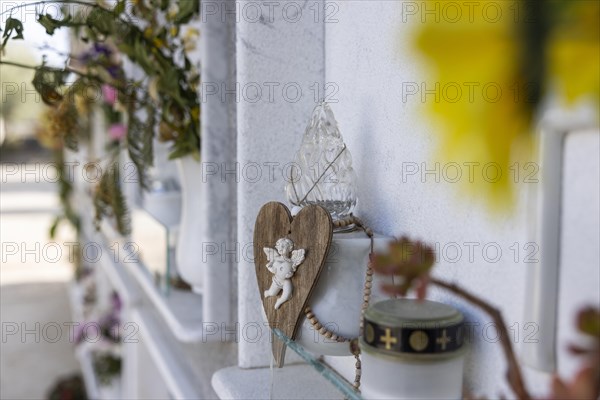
(337, 297)
(164, 206)
(188, 251)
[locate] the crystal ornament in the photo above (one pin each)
(322, 171)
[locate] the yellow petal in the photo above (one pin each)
(574, 53)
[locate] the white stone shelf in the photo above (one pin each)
(93, 388)
(89, 376)
(76, 301)
(118, 277)
(166, 356)
(298, 381)
(181, 310)
(165, 324)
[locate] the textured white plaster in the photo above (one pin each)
(217, 200)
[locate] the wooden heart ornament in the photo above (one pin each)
(289, 254)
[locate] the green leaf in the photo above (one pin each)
(178, 152)
(139, 53)
(119, 7)
(109, 200)
(12, 24)
(47, 81)
(169, 83)
(52, 24)
(54, 226)
(187, 9)
(140, 137)
(102, 21)
(187, 144)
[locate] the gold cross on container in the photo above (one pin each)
(443, 340)
(388, 339)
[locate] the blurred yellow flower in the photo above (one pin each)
(574, 51)
(158, 43)
(190, 39)
(490, 62)
(195, 113)
(173, 11)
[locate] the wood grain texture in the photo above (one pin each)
(311, 230)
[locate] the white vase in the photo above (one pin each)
(188, 252)
(164, 206)
(337, 297)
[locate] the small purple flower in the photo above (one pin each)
(110, 327)
(117, 131)
(114, 71)
(78, 333)
(96, 52)
(105, 330)
(102, 49)
(116, 302)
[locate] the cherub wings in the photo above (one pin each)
(297, 258)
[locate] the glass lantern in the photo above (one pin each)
(322, 171)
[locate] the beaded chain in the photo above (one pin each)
(314, 321)
(321, 329)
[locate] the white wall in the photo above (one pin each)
(580, 237)
(367, 59)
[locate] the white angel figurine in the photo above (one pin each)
(283, 262)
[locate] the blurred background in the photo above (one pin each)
(33, 289)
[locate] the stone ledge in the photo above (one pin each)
(290, 382)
